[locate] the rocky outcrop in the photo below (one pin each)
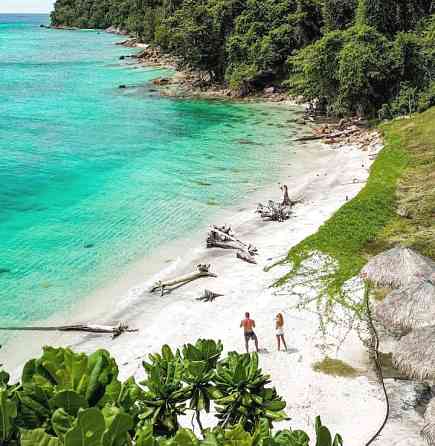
(128, 43)
(154, 57)
(116, 30)
(64, 27)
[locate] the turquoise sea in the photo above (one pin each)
(93, 177)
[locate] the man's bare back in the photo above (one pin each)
(248, 325)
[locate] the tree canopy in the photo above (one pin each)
(364, 56)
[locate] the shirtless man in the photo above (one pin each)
(248, 325)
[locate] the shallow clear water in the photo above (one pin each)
(94, 177)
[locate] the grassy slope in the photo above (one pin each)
(416, 190)
(403, 176)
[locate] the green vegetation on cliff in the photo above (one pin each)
(413, 224)
(397, 206)
(365, 56)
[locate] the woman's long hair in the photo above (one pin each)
(279, 320)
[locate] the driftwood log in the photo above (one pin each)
(116, 330)
(245, 256)
(203, 271)
(209, 296)
(277, 211)
(286, 199)
(274, 211)
(223, 237)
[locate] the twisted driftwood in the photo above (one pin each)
(223, 237)
(116, 330)
(203, 271)
(277, 211)
(274, 211)
(209, 296)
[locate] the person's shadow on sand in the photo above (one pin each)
(290, 351)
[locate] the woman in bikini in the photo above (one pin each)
(279, 327)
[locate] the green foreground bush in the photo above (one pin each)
(71, 399)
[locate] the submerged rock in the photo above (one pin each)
(116, 30)
(161, 81)
(201, 182)
(248, 141)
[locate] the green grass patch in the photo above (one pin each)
(345, 235)
(335, 367)
(415, 193)
(401, 179)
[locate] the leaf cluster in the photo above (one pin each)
(72, 399)
(360, 70)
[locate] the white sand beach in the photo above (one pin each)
(353, 407)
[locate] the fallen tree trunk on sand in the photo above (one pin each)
(116, 330)
(209, 296)
(203, 271)
(223, 237)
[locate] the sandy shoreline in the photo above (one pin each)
(324, 175)
(353, 407)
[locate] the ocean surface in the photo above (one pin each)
(94, 177)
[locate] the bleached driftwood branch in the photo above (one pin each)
(274, 211)
(91, 328)
(203, 271)
(277, 211)
(209, 296)
(223, 237)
